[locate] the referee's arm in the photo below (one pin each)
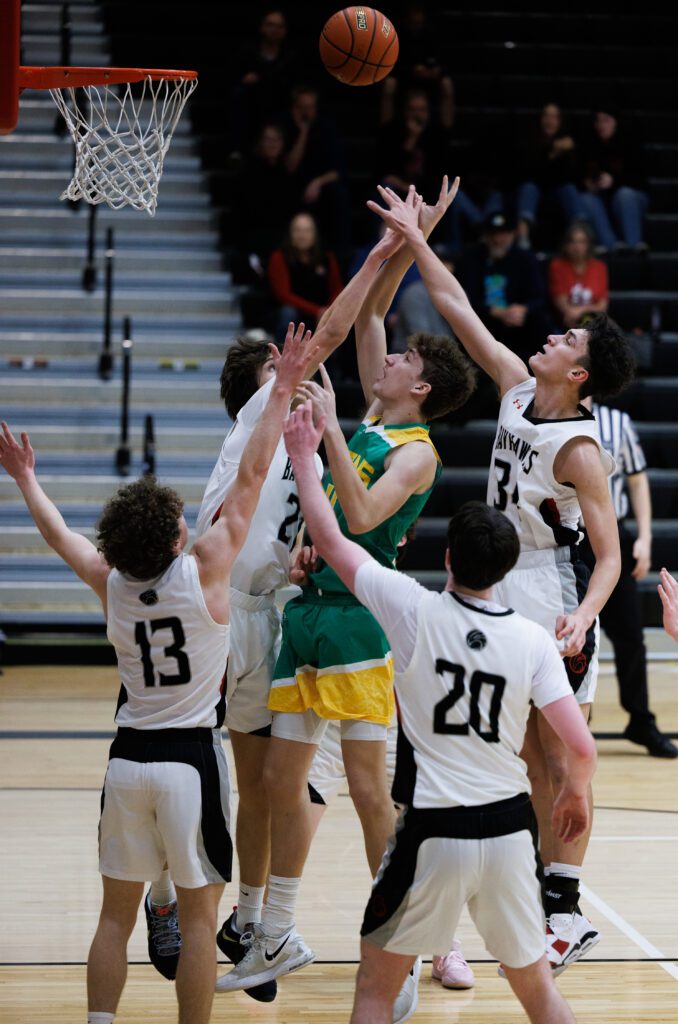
(641, 503)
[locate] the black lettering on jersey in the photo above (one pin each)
(506, 441)
(174, 650)
(288, 473)
(528, 466)
(291, 524)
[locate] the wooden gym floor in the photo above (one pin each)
(55, 727)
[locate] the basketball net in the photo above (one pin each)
(121, 137)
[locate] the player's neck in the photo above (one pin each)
(479, 595)
(555, 402)
(401, 412)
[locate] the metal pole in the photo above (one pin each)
(149, 447)
(65, 39)
(89, 273)
(122, 456)
(106, 357)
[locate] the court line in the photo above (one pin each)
(630, 932)
(634, 839)
(322, 963)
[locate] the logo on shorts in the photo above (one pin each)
(476, 640)
(148, 597)
(578, 663)
(379, 908)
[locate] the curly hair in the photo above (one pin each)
(452, 376)
(483, 545)
(239, 374)
(138, 528)
(610, 360)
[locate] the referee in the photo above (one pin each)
(620, 618)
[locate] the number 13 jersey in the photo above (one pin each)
(171, 653)
(521, 484)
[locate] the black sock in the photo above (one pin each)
(560, 895)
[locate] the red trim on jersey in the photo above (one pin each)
(217, 514)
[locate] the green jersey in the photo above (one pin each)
(369, 448)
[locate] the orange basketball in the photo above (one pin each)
(359, 46)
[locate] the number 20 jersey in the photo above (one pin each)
(171, 653)
(521, 484)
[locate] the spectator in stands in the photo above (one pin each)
(547, 169)
(412, 147)
(264, 77)
(314, 158)
(578, 283)
(304, 278)
(416, 313)
(265, 185)
(614, 183)
(421, 66)
(505, 287)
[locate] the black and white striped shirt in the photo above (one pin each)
(619, 438)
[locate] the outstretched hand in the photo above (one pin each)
(429, 216)
(323, 398)
(388, 245)
(301, 435)
(297, 354)
(401, 216)
(17, 459)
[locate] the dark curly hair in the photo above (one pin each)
(239, 374)
(483, 545)
(447, 369)
(139, 527)
(610, 360)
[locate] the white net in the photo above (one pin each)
(121, 135)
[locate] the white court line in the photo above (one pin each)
(629, 931)
(634, 839)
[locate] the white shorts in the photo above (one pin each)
(544, 585)
(255, 643)
(426, 879)
(307, 727)
(327, 774)
(166, 799)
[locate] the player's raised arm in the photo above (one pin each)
(447, 295)
(301, 441)
(216, 550)
(370, 331)
(76, 550)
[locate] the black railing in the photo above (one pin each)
(106, 357)
(89, 272)
(122, 456)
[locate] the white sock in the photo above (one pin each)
(278, 914)
(250, 902)
(566, 870)
(162, 891)
(100, 1018)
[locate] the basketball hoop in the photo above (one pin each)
(121, 135)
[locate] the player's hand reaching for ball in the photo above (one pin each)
(297, 353)
(302, 436)
(323, 399)
(429, 216)
(18, 459)
(570, 817)
(401, 216)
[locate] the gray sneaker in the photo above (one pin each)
(267, 957)
(408, 997)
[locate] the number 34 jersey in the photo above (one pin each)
(171, 653)
(521, 484)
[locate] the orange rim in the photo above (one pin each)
(74, 78)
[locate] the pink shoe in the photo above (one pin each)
(452, 970)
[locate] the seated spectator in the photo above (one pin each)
(265, 186)
(263, 80)
(547, 169)
(315, 160)
(578, 283)
(412, 147)
(304, 278)
(614, 183)
(505, 287)
(421, 66)
(416, 313)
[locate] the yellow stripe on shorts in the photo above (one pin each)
(363, 690)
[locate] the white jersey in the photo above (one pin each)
(263, 563)
(466, 671)
(171, 653)
(521, 484)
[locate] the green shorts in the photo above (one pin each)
(335, 659)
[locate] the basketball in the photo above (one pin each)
(359, 46)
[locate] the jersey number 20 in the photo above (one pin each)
(478, 680)
(174, 650)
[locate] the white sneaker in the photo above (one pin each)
(266, 958)
(588, 935)
(562, 942)
(408, 997)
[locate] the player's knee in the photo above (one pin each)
(283, 789)
(367, 797)
(252, 792)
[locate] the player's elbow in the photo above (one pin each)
(583, 752)
(360, 521)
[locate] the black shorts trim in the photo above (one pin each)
(194, 747)
(315, 796)
(501, 818)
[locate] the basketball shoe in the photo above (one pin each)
(562, 942)
(408, 997)
(452, 970)
(588, 935)
(164, 937)
(228, 941)
(266, 957)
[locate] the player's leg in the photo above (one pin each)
(253, 824)
(540, 781)
(107, 960)
(197, 970)
(365, 763)
(380, 978)
(535, 987)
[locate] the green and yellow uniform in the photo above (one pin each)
(335, 658)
